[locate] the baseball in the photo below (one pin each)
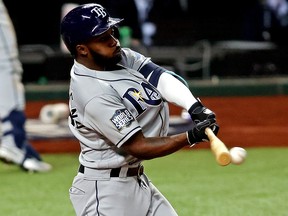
(238, 155)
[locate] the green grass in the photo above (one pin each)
(38, 194)
(191, 180)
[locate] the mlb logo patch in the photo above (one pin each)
(122, 118)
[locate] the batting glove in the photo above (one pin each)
(199, 113)
(197, 133)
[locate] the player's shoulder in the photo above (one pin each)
(132, 59)
(129, 52)
(133, 54)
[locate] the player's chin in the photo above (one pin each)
(117, 51)
(115, 59)
(117, 54)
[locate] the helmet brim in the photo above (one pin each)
(114, 21)
(111, 22)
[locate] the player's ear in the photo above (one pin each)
(82, 50)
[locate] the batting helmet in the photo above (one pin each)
(84, 22)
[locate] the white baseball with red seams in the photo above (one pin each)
(238, 155)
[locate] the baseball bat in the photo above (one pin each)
(218, 148)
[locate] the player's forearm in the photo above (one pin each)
(153, 147)
(175, 91)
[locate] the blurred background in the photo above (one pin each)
(198, 39)
(233, 55)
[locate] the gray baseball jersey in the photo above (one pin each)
(106, 109)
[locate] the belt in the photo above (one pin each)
(115, 172)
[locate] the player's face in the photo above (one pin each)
(105, 49)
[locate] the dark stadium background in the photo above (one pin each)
(37, 22)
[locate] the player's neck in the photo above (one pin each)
(91, 65)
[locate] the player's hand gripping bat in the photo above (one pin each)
(218, 148)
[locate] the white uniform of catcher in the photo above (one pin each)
(14, 146)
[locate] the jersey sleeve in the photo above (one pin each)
(146, 67)
(111, 119)
(162, 79)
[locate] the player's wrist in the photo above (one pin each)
(196, 106)
(200, 113)
(190, 138)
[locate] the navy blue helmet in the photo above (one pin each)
(84, 22)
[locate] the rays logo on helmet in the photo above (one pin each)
(100, 11)
(122, 118)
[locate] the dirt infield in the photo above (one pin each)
(260, 121)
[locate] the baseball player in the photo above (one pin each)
(118, 102)
(14, 146)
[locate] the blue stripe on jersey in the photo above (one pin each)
(133, 131)
(156, 71)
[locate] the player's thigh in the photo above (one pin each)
(113, 197)
(160, 205)
(125, 197)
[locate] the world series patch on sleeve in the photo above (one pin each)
(122, 118)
